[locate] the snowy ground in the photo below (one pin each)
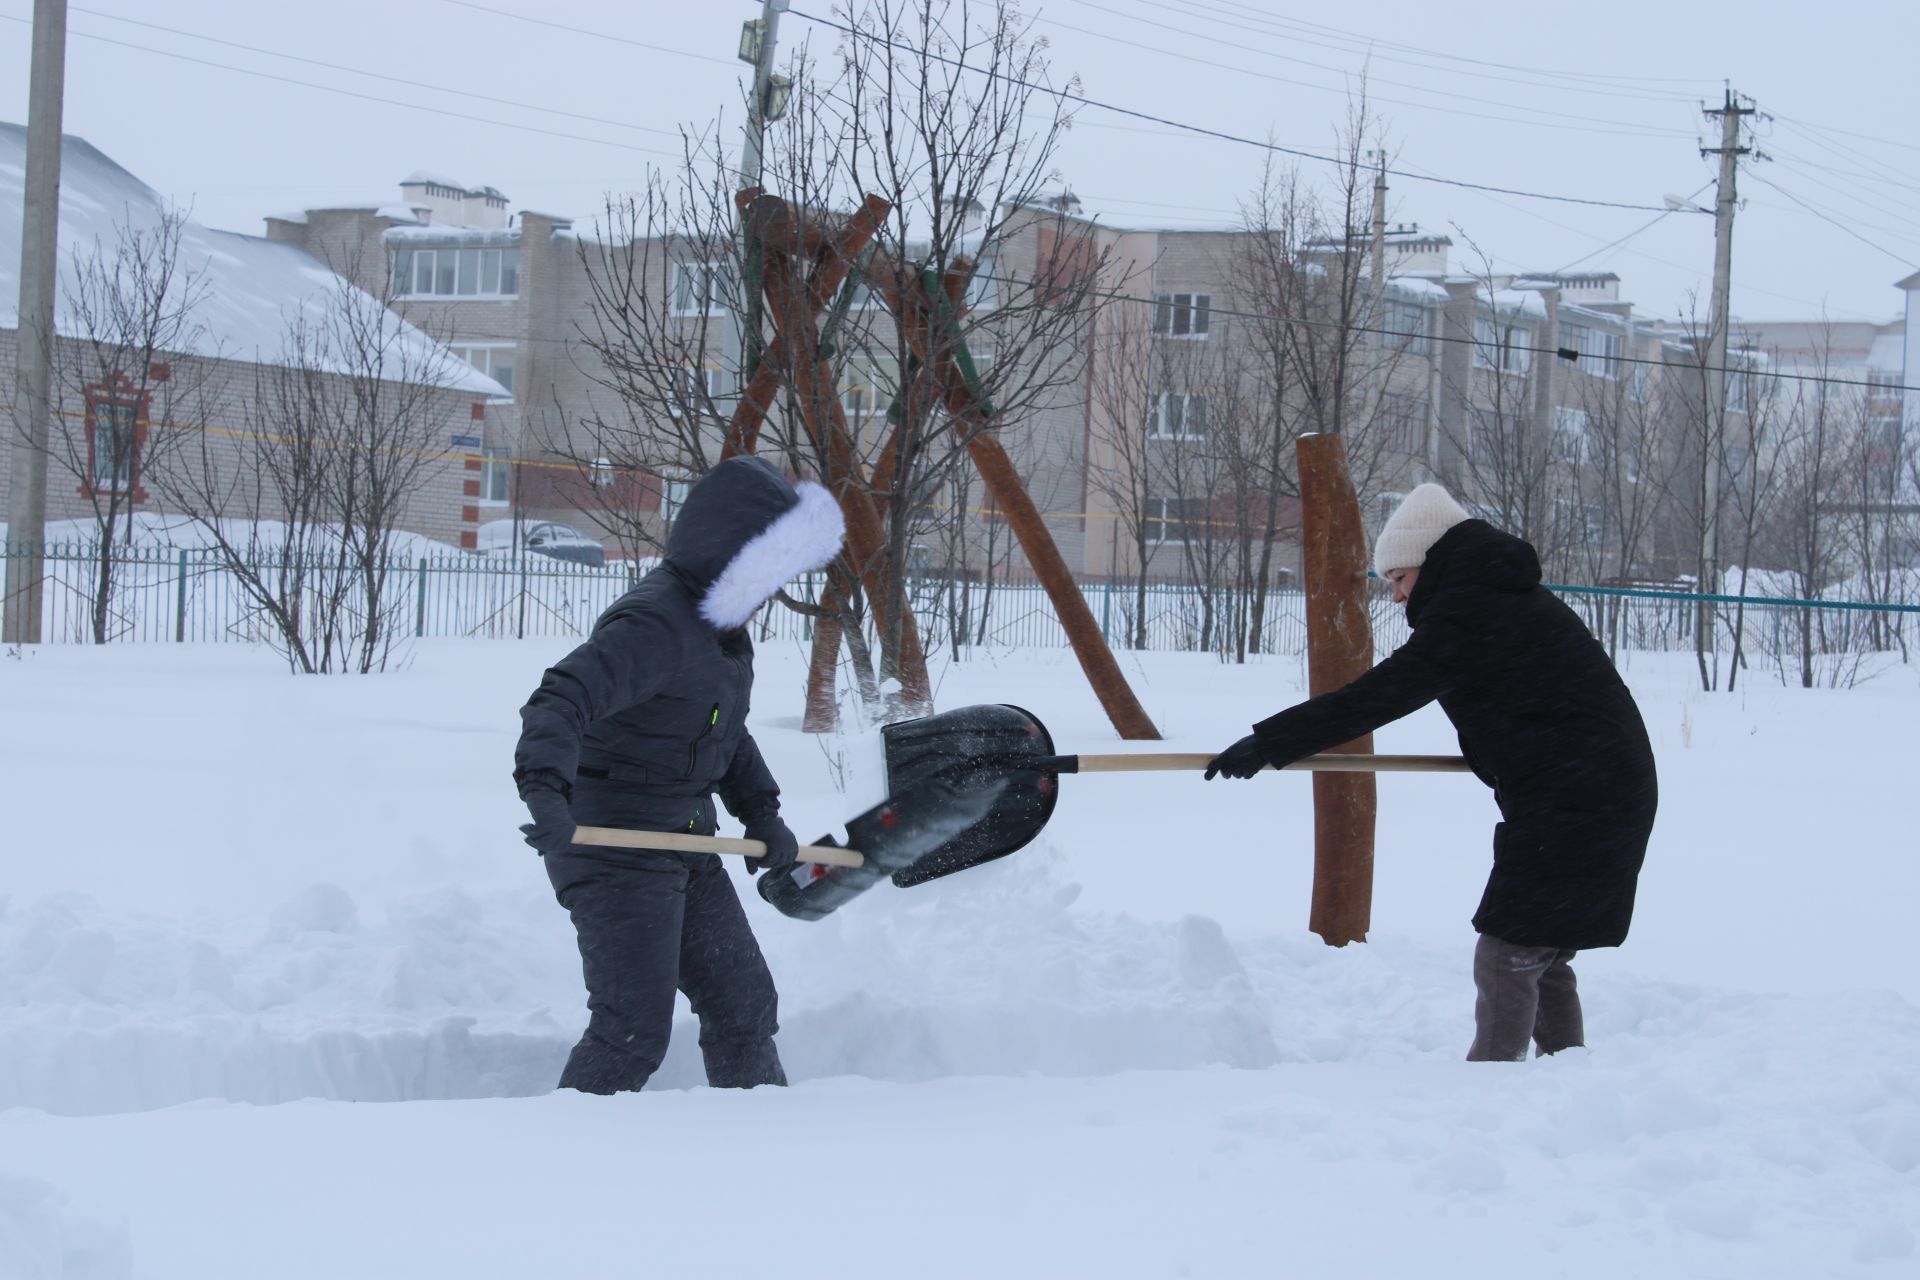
(239, 908)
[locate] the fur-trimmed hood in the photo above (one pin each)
(745, 532)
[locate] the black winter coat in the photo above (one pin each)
(1544, 719)
(647, 719)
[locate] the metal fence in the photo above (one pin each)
(164, 594)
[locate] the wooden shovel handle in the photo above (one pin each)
(1169, 761)
(681, 842)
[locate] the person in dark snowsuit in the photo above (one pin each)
(638, 728)
(1543, 718)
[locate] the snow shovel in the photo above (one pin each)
(998, 741)
(890, 837)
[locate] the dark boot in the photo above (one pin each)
(1508, 981)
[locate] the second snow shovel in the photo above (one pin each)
(997, 741)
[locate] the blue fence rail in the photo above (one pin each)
(172, 595)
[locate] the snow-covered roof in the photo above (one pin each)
(429, 233)
(254, 286)
(429, 178)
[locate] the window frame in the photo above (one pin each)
(465, 351)
(443, 278)
(1514, 358)
(1157, 402)
(1155, 526)
(1417, 338)
(495, 464)
(1189, 308)
(117, 393)
(713, 302)
(1572, 424)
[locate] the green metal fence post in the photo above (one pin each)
(420, 601)
(180, 602)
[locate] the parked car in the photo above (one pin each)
(542, 537)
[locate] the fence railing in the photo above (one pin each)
(172, 595)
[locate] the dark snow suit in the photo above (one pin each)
(640, 726)
(1543, 719)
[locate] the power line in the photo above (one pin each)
(598, 35)
(372, 75)
(352, 93)
(1068, 96)
(1691, 271)
(1647, 226)
(1833, 221)
(1640, 130)
(1369, 41)
(1370, 49)
(1849, 133)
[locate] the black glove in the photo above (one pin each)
(545, 794)
(782, 847)
(1241, 760)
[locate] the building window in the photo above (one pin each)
(1488, 432)
(1502, 346)
(1174, 519)
(456, 273)
(1570, 440)
(694, 392)
(983, 290)
(1403, 423)
(673, 496)
(1599, 349)
(867, 387)
(1739, 390)
(701, 288)
(1637, 382)
(116, 431)
(494, 359)
(1176, 415)
(1404, 327)
(1182, 315)
(496, 478)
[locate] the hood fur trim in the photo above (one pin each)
(803, 539)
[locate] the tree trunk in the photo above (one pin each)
(1339, 650)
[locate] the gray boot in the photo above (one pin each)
(1525, 995)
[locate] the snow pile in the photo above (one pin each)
(1116, 1052)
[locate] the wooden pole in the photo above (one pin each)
(1339, 650)
(931, 324)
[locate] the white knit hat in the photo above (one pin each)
(1415, 525)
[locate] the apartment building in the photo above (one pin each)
(1544, 399)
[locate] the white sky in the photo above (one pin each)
(238, 146)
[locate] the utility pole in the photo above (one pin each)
(759, 39)
(1376, 386)
(33, 370)
(1715, 411)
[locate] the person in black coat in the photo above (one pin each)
(1543, 718)
(638, 728)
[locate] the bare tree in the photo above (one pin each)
(933, 109)
(304, 506)
(133, 309)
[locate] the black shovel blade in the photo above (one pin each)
(992, 747)
(892, 836)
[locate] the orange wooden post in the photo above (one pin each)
(1339, 649)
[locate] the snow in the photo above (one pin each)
(254, 286)
(284, 995)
